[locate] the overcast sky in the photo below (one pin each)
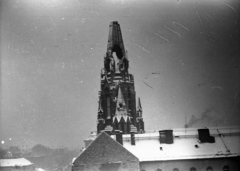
(184, 55)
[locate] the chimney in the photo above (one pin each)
(166, 136)
(204, 136)
(119, 136)
(132, 139)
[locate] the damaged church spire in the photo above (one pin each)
(117, 96)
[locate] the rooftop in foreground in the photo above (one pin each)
(183, 143)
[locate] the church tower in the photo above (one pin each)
(117, 99)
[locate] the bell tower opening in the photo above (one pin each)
(118, 51)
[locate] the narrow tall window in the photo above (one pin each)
(122, 125)
(108, 108)
(129, 99)
(116, 125)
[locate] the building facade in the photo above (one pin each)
(192, 149)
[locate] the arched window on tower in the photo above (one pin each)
(108, 108)
(175, 169)
(226, 168)
(209, 168)
(159, 170)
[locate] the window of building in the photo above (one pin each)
(159, 170)
(129, 99)
(209, 168)
(175, 169)
(193, 169)
(226, 168)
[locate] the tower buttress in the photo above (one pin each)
(140, 123)
(139, 108)
(101, 121)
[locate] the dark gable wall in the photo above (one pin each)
(104, 154)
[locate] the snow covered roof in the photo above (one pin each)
(39, 169)
(14, 162)
(186, 145)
